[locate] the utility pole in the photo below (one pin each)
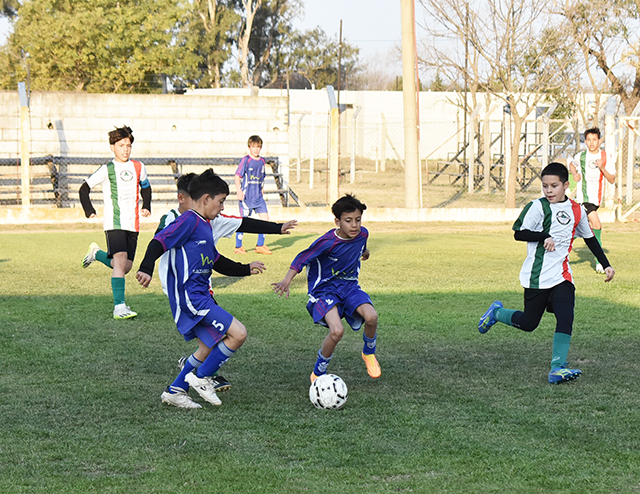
(412, 185)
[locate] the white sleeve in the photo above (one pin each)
(98, 177)
(611, 164)
(583, 229)
(224, 226)
(532, 219)
(143, 172)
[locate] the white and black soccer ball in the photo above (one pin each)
(328, 391)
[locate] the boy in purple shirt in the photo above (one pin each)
(192, 257)
(333, 265)
(249, 179)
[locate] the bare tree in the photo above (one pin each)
(250, 8)
(505, 47)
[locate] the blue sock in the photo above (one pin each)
(369, 344)
(321, 364)
(260, 239)
(218, 356)
(238, 240)
(189, 365)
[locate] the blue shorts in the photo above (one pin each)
(212, 328)
(347, 301)
(255, 207)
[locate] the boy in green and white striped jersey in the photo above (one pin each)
(123, 182)
(549, 225)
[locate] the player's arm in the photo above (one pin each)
(611, 177)
(530, 236)
(596, 249)
(282, 287)
(251, 225)
(85, 200)
(155, 249)
(227, 267)
(574, 171)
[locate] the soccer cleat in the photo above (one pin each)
(263, 249)
(489, 319)
(179, 398)
(220, 384)
(204, 387)
(599, 268)
(313, 377)
(562, 374)
(91, 255)
(373, 367)
(123, 311)
(239, 250)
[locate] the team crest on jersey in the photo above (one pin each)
(126, 175)
(563, 217)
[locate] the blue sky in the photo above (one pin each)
(372, 25)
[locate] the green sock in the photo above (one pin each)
(504, 315)
(561, 343)
(598, 233)
(102, 257)
(117, 286)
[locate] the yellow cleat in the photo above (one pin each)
(263, 249)
(373, 367)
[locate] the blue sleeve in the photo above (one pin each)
(317, 248)
(242, 167)
(178, 232)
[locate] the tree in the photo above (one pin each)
(95, 45)
(9, 8)
(508, 48)
(249, 8)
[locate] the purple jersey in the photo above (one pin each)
(189, 242)
(332, 262)
(252, 173)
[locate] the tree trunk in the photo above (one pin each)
(250, 8)
(513, 168)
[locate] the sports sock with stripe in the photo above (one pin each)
(369, 347)
(321, 364)
(238, 240)
(190, 364)
(218, 356)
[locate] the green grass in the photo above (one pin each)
(454, 411)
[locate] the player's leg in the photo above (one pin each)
(261, 248)
(535, 303)
(369, 336)
(233, 338)
(562, 303)
(244, 212)
(596, 226)
(336, 332)
(176, 392)
(95, 253)
(122, 245)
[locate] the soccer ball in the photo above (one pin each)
(328, 391)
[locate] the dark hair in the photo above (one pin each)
(594, 130)
(557, 169)
(347, 204)
(120, 133)
(207, 183)
(183, 182)
(254, 140)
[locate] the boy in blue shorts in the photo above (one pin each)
(249, 179)
(333, 265)
(192, 257)
(123, 183)
(222, 226)
(549, 226)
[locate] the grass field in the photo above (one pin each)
(454, 411)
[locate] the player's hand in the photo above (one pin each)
(281, 288)
(92, 215)
(143, 278)
(289, 225)
(549, 244)
(598, 163)
(257, 267)
(609, 273)
(145, 212)
(366, 254)
(240, 195)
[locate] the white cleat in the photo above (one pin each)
(204, 387)
(123, 311)
(178, 399)
(91, 255)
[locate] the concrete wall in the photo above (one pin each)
(164, 125)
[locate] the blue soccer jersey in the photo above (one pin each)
(331, 262)
(189, 242)
(252, 173)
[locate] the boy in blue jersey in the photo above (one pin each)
(249, 179)
(192, 257)
(222, 226)
(333, 265)
(549, 225)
